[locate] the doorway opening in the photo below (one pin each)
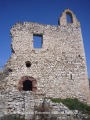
(27, 85)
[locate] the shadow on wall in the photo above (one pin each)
(89, 82)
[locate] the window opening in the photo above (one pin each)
(28, 64)
(37, 41)
(69, 17)
(71, 76)
(27, 85)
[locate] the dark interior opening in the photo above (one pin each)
(27, 85)
(10, 70)
(28, 64)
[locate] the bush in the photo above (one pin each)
(73, 104)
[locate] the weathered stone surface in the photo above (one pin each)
(25, 104)
(57, 70)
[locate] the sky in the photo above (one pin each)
(44, 12)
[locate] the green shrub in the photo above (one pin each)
(73, 104)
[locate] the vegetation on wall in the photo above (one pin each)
(73, 104)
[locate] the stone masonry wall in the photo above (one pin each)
(29, 105)
(59, 67)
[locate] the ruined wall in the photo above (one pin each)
(58, 69)
(28, 105)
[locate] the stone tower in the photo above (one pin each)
(57, 68)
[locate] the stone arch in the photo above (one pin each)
(31, 79)
(70, 15)
(63, 18)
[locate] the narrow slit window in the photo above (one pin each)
(71, 76)
(37, 41)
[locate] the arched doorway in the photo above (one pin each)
(27, 84)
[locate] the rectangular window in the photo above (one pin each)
(37, 41)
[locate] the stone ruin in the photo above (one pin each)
(55, 68)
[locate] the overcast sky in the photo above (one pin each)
(41, 11)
